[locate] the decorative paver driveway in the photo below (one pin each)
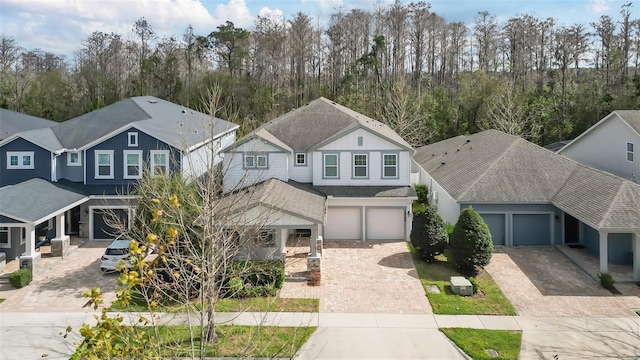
(60, 288)
(365, 277)
(540, 281)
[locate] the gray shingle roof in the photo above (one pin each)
(367, 191)
(48, 199)
(493, 167)
(318, 122)
(631, 117)
(12, 122)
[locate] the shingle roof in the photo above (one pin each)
(320, 121)
(12, 122)
(631, 117)
(367, 191)
(49, 199)
(493, 167)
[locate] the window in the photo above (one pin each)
(262, 161)
(132, 139)
(265, 238)
(389, 165)
(330, 165)
(249, 161)
(73, 159)
(104, 164)
(159, 162)
(5, 242)
(301, 159)
(630, 151)
(132, 164)
(360, 165)
(20, 160)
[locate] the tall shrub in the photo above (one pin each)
(429, 234)
(471, 244)
(422, 192)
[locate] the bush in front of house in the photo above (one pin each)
(20, 278)
(423, 193)
(253, 278)
(429, 234)
(471, 244)
(606, 280)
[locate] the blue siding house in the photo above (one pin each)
(89, 164)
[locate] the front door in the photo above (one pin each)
(571, 232)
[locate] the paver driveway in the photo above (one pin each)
(540, 281)
(60, 288)
(365, 277)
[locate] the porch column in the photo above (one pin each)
(604, 257)
(30, 246)
(30, 259)
(284, 236)
(313, 242)
(60, 244)
(636, 256)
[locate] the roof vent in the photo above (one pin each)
(442, 163)
(445, 153)
(468, 141)
(333, 102)
(457, 150)
(184, 111)
(152, 101)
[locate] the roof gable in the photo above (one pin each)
(629, 117)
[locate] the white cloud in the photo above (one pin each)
(235, 11)
(600, 6)
(275, 15)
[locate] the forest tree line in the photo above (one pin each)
(402, 64)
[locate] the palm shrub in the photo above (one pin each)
(471, 244)
(429, 234)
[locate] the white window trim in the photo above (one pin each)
(266, 161)
(97, 154)
(20, 155)
(324, 166)
(253, 161)
(8, 244)
(304, 158)
(132, 135)
(125, 173)
(632, 152)
(70, 163)
(366, 166)
(384, 166)
(153, 162)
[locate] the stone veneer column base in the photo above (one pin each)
(60, 246)
(32, 263)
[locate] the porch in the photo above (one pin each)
(47, 259)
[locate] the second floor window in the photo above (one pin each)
(630, 152)
(389, 165)
(132, 164)
(360, 165)
(20, 160)
(159, 162)
(253, 161)
(104, 164)
(262, 161)
(301, 159)
(249, 161)
(330, 165)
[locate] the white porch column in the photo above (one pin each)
(60, 226)
(636, 256)
(30, 246)
(313, 242)
(284, 236)
(604, 256)
(30, 259)
(60, 244)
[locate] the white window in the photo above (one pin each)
(5, 241)
(330, 165)
(159, 162)
(389, 165)
(262, 161)
(73, 159)
(132, 139)
(249, 161)
(132, 164)
(630, 154)
(104, 164)
(301, 159)
(20, 160)
(360, 165)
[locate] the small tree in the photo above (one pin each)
(471, 244)
(429, 235)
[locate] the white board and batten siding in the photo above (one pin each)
(237, 176)
(301, 173)
(368, 219)
(197, 162)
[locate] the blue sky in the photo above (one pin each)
(60, 26)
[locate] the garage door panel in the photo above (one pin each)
(385, 224)
(496, 224)
(343, 223)
(102, 231)
(531, 229)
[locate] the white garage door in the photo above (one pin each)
(385, 224)
(343, 223)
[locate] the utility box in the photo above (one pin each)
(461, 286)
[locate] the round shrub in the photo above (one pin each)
(606, 280)
(429, 234)
(20, 278)
(471, 244)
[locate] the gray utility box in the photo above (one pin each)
(461, 286)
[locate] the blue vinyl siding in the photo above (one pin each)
(619, 246)
(118, 144)
(41, 161)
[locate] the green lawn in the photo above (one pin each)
(491, 302)
(476, 342)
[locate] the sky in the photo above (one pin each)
(60, 26)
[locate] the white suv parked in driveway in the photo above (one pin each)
(117, 251)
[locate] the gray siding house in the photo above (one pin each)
(529, 195)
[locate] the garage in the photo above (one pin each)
(101, 230)
(385, 224)
(531, 229)
(496, 223)
(343, 223)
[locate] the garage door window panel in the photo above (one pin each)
(360, 169)
(330, 166)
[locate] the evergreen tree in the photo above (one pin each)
(429, 235)
(471, 243)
